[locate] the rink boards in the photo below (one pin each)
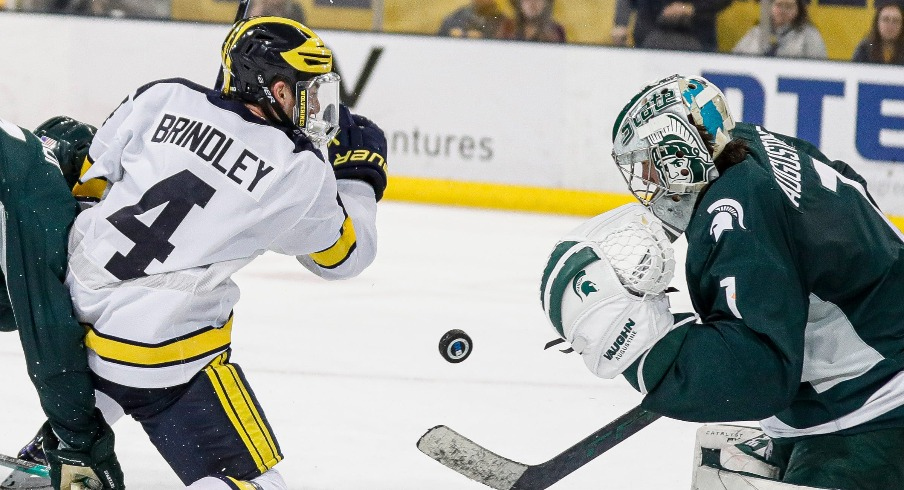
(487, 123)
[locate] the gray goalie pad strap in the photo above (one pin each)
(470, 459)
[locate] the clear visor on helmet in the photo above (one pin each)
(643, 179)
(317, 107)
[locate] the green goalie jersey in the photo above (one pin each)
(36, 212)
(797, 279)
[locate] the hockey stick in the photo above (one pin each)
(42, 471)
(242, 11)
(240, 14)
(482, 465)
(24, 466)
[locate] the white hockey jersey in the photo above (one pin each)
(195, 187)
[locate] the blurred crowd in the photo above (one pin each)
(785, 28)
(149, 9)
(144, 9)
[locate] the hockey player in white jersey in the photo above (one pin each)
(190, 185)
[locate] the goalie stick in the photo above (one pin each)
(472, 460)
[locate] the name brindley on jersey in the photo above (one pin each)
(211, 145)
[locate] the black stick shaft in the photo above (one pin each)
(544, 475)
(240, 13)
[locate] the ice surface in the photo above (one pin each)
(350, 375)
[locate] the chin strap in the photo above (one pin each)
(275, 113)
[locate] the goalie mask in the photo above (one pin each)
(262, 50)
(659, 151)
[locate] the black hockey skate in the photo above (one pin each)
(33, 452)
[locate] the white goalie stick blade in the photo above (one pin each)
(472, 460)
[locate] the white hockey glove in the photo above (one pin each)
(603, 288)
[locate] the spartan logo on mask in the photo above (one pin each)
(679, 161)
(678, 154)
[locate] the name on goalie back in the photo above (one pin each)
(211, 145)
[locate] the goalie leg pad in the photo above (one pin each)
(731, 457)
(708, 478)
(735, 448)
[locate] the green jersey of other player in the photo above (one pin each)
(37, 212)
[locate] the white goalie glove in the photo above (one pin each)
(603, 288)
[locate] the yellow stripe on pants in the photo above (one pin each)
(239, 407)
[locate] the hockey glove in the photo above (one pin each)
(96, 468)
(359, 151)
(595, 296)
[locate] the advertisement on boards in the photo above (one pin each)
(501, 113)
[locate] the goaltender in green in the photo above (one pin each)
(796, 278)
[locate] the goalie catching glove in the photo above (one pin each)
(603, 288)
(359, 151)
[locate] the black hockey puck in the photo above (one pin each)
(455, 346)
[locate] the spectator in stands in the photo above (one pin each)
(479, 19)
(619, 33)
(884, 43)
(790, 34)
(40, 5)
(670, 24)
(533, 22)
(290, 9)
(143, 9)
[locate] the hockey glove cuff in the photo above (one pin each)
(95, 468)
(359, 151)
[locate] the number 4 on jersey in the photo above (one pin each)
(178, 193)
